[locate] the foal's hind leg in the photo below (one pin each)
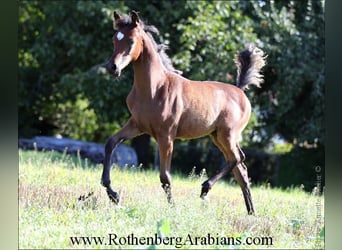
(127, 132)
(234, 157)
(241, 176)
(228, 147)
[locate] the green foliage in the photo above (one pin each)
(297, 167)
(292, 99)
(213, 33)
(77, 120)
(281, 148)
(58, 44)
(106, 99)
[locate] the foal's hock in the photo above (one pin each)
(168, 106)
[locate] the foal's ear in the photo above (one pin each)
(116, 16)
(135, 17)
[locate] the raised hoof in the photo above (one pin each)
(113, 196)
(205, 189)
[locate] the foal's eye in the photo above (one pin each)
(131, 42)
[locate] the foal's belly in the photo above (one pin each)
(196, 125)
(200, 113)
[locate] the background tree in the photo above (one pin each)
(62, 89)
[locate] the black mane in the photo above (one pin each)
(126, 21)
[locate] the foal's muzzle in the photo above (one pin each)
(113, 69)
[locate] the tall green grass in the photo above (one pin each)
(51, 209)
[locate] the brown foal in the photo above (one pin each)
(168, 106)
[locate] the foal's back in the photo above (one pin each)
(206, 105)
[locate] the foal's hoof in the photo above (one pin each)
(171, 201)
(205, 189)
(113, 196)
(251, 213)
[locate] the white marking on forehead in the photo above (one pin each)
(119, 36)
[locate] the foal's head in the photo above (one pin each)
(127, 42)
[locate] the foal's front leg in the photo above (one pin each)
(127, 132)
(165, 155)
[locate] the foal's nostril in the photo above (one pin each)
(115, 70)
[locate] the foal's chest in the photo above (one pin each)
(153, 114)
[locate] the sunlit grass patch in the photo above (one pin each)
(60, 197)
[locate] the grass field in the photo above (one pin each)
(51, 215)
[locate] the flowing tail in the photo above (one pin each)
(249, 63)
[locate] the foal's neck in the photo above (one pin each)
(149, 70)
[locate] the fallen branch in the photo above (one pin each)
(123, 155)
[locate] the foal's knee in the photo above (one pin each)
(110, 144)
